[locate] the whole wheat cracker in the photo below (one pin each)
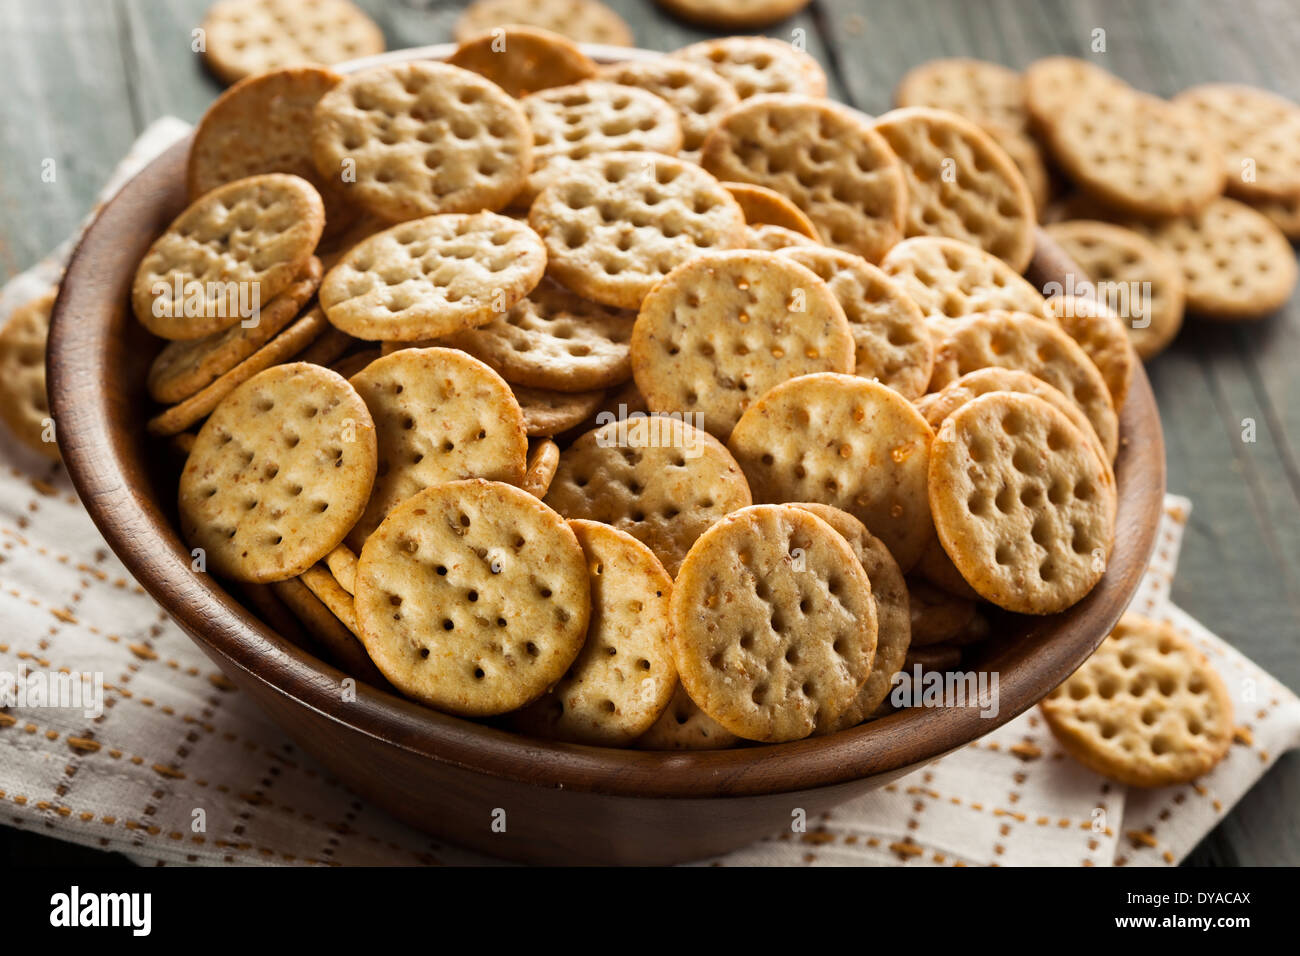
(548, 413)
(1147, 709)
(937, 615)
(328, 634)
(1103, 338)
(624, 677)
(231, 250)
(433, 276)
(773, 623)
(417, 138)
(523, 60)
(473, 597)
(618, 223)
(890, 339)
(245, 37)
(342, 563)
(1053, 83)
(723, 328)
(24, 406)
(584, 21)
(763, 206)
(843, 441)
(738, 15)
(543, 461)
(1021, 503)
(981, 91)
(278, 474)
(756, 65)
(1257, 134)
(683, 726)
(699, 95)
(961, 184)
(440, 415)
(937, 569)
(658, 478)
(770, 238)
(824, 157)
(555, 339)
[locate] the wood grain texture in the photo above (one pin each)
(87, 76)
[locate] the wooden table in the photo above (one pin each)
(84, 77)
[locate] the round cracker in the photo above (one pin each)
(617, 224)
(183, 368)
(1103, 338)
(1021, 503)
(767, 207)
(247, 37)
(843, 441)
(770, 238)
(723, 328)
(1120, 262)
(417, 138)
(557, 340)
(433, 276)
(981, 91)
(440, 415)
(699, 95)
(683, 726)
(658, 478)
(1036, 346)
(584, 21)
(961, 184)
(1256, 132)
(891, 342)
(625, 675)
(893, 613)
(1147, 709)
(278, 473)
(233, 248)
(523, 60)
(742, 15)
(1053, 83)
(774, 626)
(822, 156)
(24, 406)
(548, 413)
(473, 597)
(756, 65)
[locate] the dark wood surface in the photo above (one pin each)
(87, 75)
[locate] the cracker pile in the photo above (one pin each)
(665, 404)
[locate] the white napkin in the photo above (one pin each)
(180, 768)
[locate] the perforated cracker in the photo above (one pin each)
(625, 675)
(938, 405)
(1283, 213)
(24, 406)
(1137, 153)
(770, 238)
(893, 616)
(1122, 262)
(979, 90)
(722, 329)
(1039, 347)
(232, 249)
(262, 124)
(1257, 134)
(699, 95)
(281, 348)
(548, 412)
(740, 15)
(473, 597)
(960, 184)
(1103, 338)
(278, 474)
(183, 368)
(1021, 503)
(523, 60)
(617, 224)
(555, 340)
(422, 137)
(244, 37)
(763, 206)
(843, 441)
(543, 461)
(826, 158)
(585, 21)
(756, 65)
(660, 479)
(433, 276)
(890, 339)
(1054, 83)
(1147, 709)
(440, 415)
(584, 120)
(683, 726)
(1236, 265)
(774, 626)
(950, 279)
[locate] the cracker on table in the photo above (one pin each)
(755, 65)
(584, 21)
(548, 413)
(1257, 134)
(523, 60)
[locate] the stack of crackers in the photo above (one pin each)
(663, 403)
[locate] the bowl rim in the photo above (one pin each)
(95, 454)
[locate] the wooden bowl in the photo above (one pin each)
(564, 803)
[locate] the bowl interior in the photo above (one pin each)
(97, 360)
